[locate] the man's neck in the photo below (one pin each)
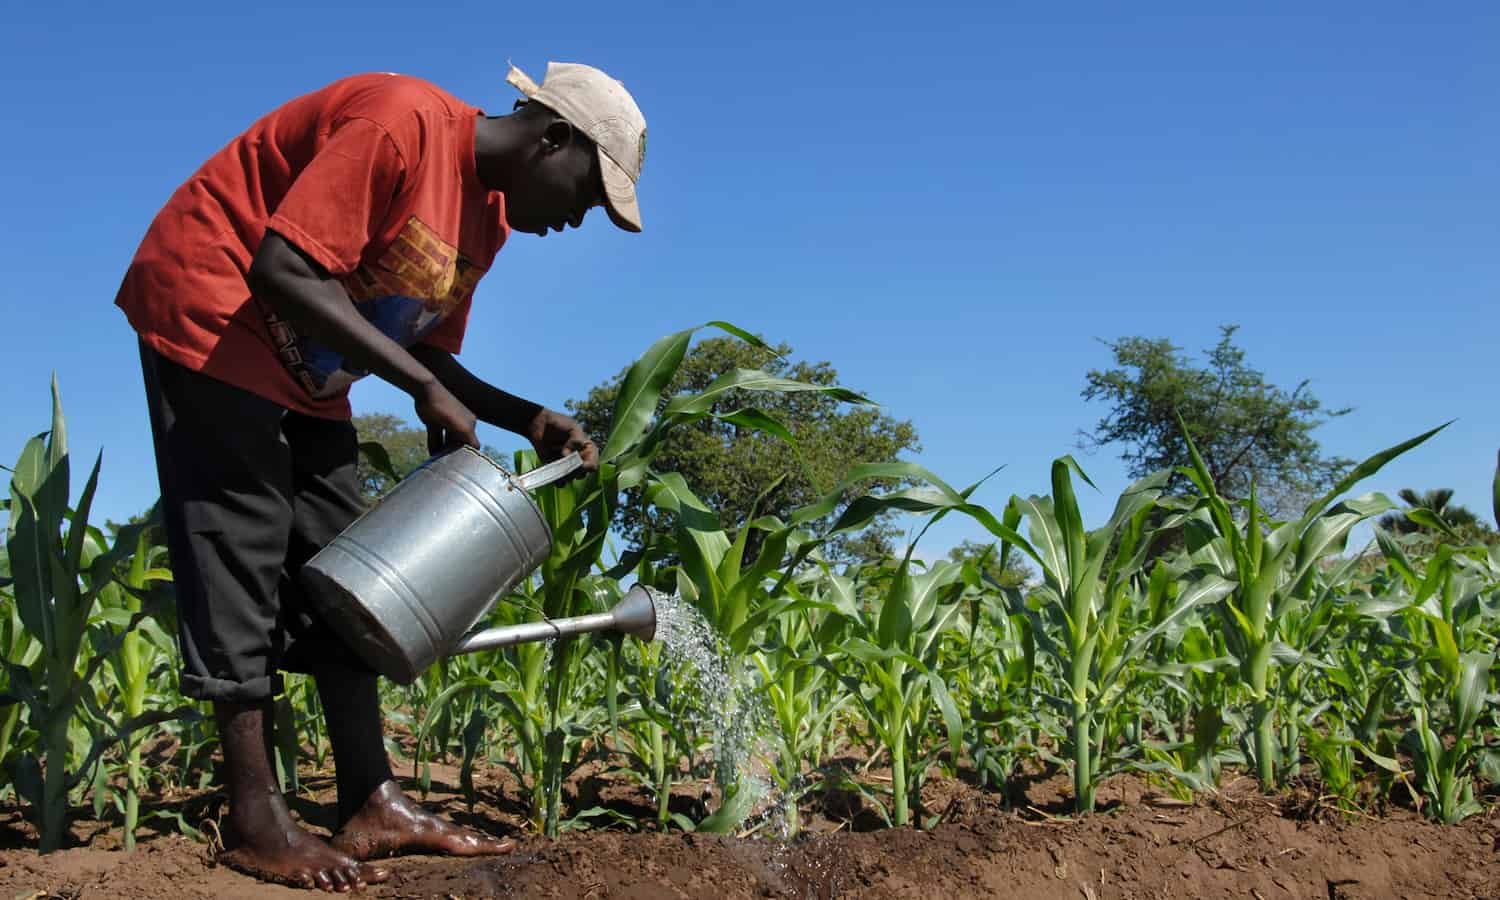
(497, 142)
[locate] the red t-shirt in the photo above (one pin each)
(374, 177)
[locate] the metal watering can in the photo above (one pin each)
(407, 580)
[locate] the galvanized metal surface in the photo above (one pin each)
(552, 471)
(406, 580)
(635, 615)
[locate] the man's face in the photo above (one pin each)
(561, 183)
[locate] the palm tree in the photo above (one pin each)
(1439, 502)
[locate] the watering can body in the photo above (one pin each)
(406, 581)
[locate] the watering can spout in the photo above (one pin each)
(634, 615)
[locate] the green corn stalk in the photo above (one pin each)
(996, 682)
(142, 646)
(894, 686)
(1359, 685)
(650, 729)
(803, 708)
(713, 576)
(1195, 674)
(1310, 622)
(295, 711)
(1090, 580)
(579, 515)
(890, 663)
(1446, 643)
(1446, 761)
(1338, 765)
(1271, 573)
(18, 649)
(57, 582)
(929, 495)
(524, 707)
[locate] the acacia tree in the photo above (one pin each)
(1246, 429)
(730, 467)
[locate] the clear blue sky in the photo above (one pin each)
(951, 203)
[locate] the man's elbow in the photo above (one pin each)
(274, 274)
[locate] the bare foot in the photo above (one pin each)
(286, 854)
(389, 823)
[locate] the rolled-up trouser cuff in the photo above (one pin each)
(218, 690)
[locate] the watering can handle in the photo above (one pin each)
(552, 471)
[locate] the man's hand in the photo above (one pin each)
(555, 435)
(449, 423)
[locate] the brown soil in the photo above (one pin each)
(1141, 845)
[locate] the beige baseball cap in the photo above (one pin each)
(602, 109)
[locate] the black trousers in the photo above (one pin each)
(249, 492)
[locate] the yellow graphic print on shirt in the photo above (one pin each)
(413, 286)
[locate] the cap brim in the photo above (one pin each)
(619, 191)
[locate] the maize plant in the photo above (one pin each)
(579, 512)
(143, 586)
(1447, 634)
(1271, 567)
(57, 579)
(652, 729)
(804, 707)
(1193, 670)
(998, 674)
(1082, 618)
(19, 650)
(890, 662)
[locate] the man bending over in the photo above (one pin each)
(342, 234)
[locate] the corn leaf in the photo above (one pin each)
(639, 392)
(894, 625)
(952, 721)
(1470, 693)
(1495, 490)
(1068, 519)
(1365, 469)
(751, 380)
(29, 549)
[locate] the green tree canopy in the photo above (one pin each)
(1248, 430)
(404, 445)
(729, 466)
(987, 557)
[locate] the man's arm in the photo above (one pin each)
(301, 291)
(551, 433)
